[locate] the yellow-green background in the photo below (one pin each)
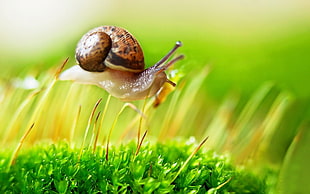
(245, 42)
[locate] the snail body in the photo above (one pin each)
(111, 58)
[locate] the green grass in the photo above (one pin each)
(247, 131)
(244, 88)
(56, 168)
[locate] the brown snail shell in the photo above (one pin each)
(111, 58)
(109, 46)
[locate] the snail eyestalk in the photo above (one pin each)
(171, 52)
(166, 66)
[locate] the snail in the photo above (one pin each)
(111, 58)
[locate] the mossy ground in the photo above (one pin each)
(57, 168)
(240, 84)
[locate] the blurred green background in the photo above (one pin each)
(255, 98)
(246, 43)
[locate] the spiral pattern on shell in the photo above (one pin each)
(109, 46)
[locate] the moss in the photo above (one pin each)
(56, 168)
